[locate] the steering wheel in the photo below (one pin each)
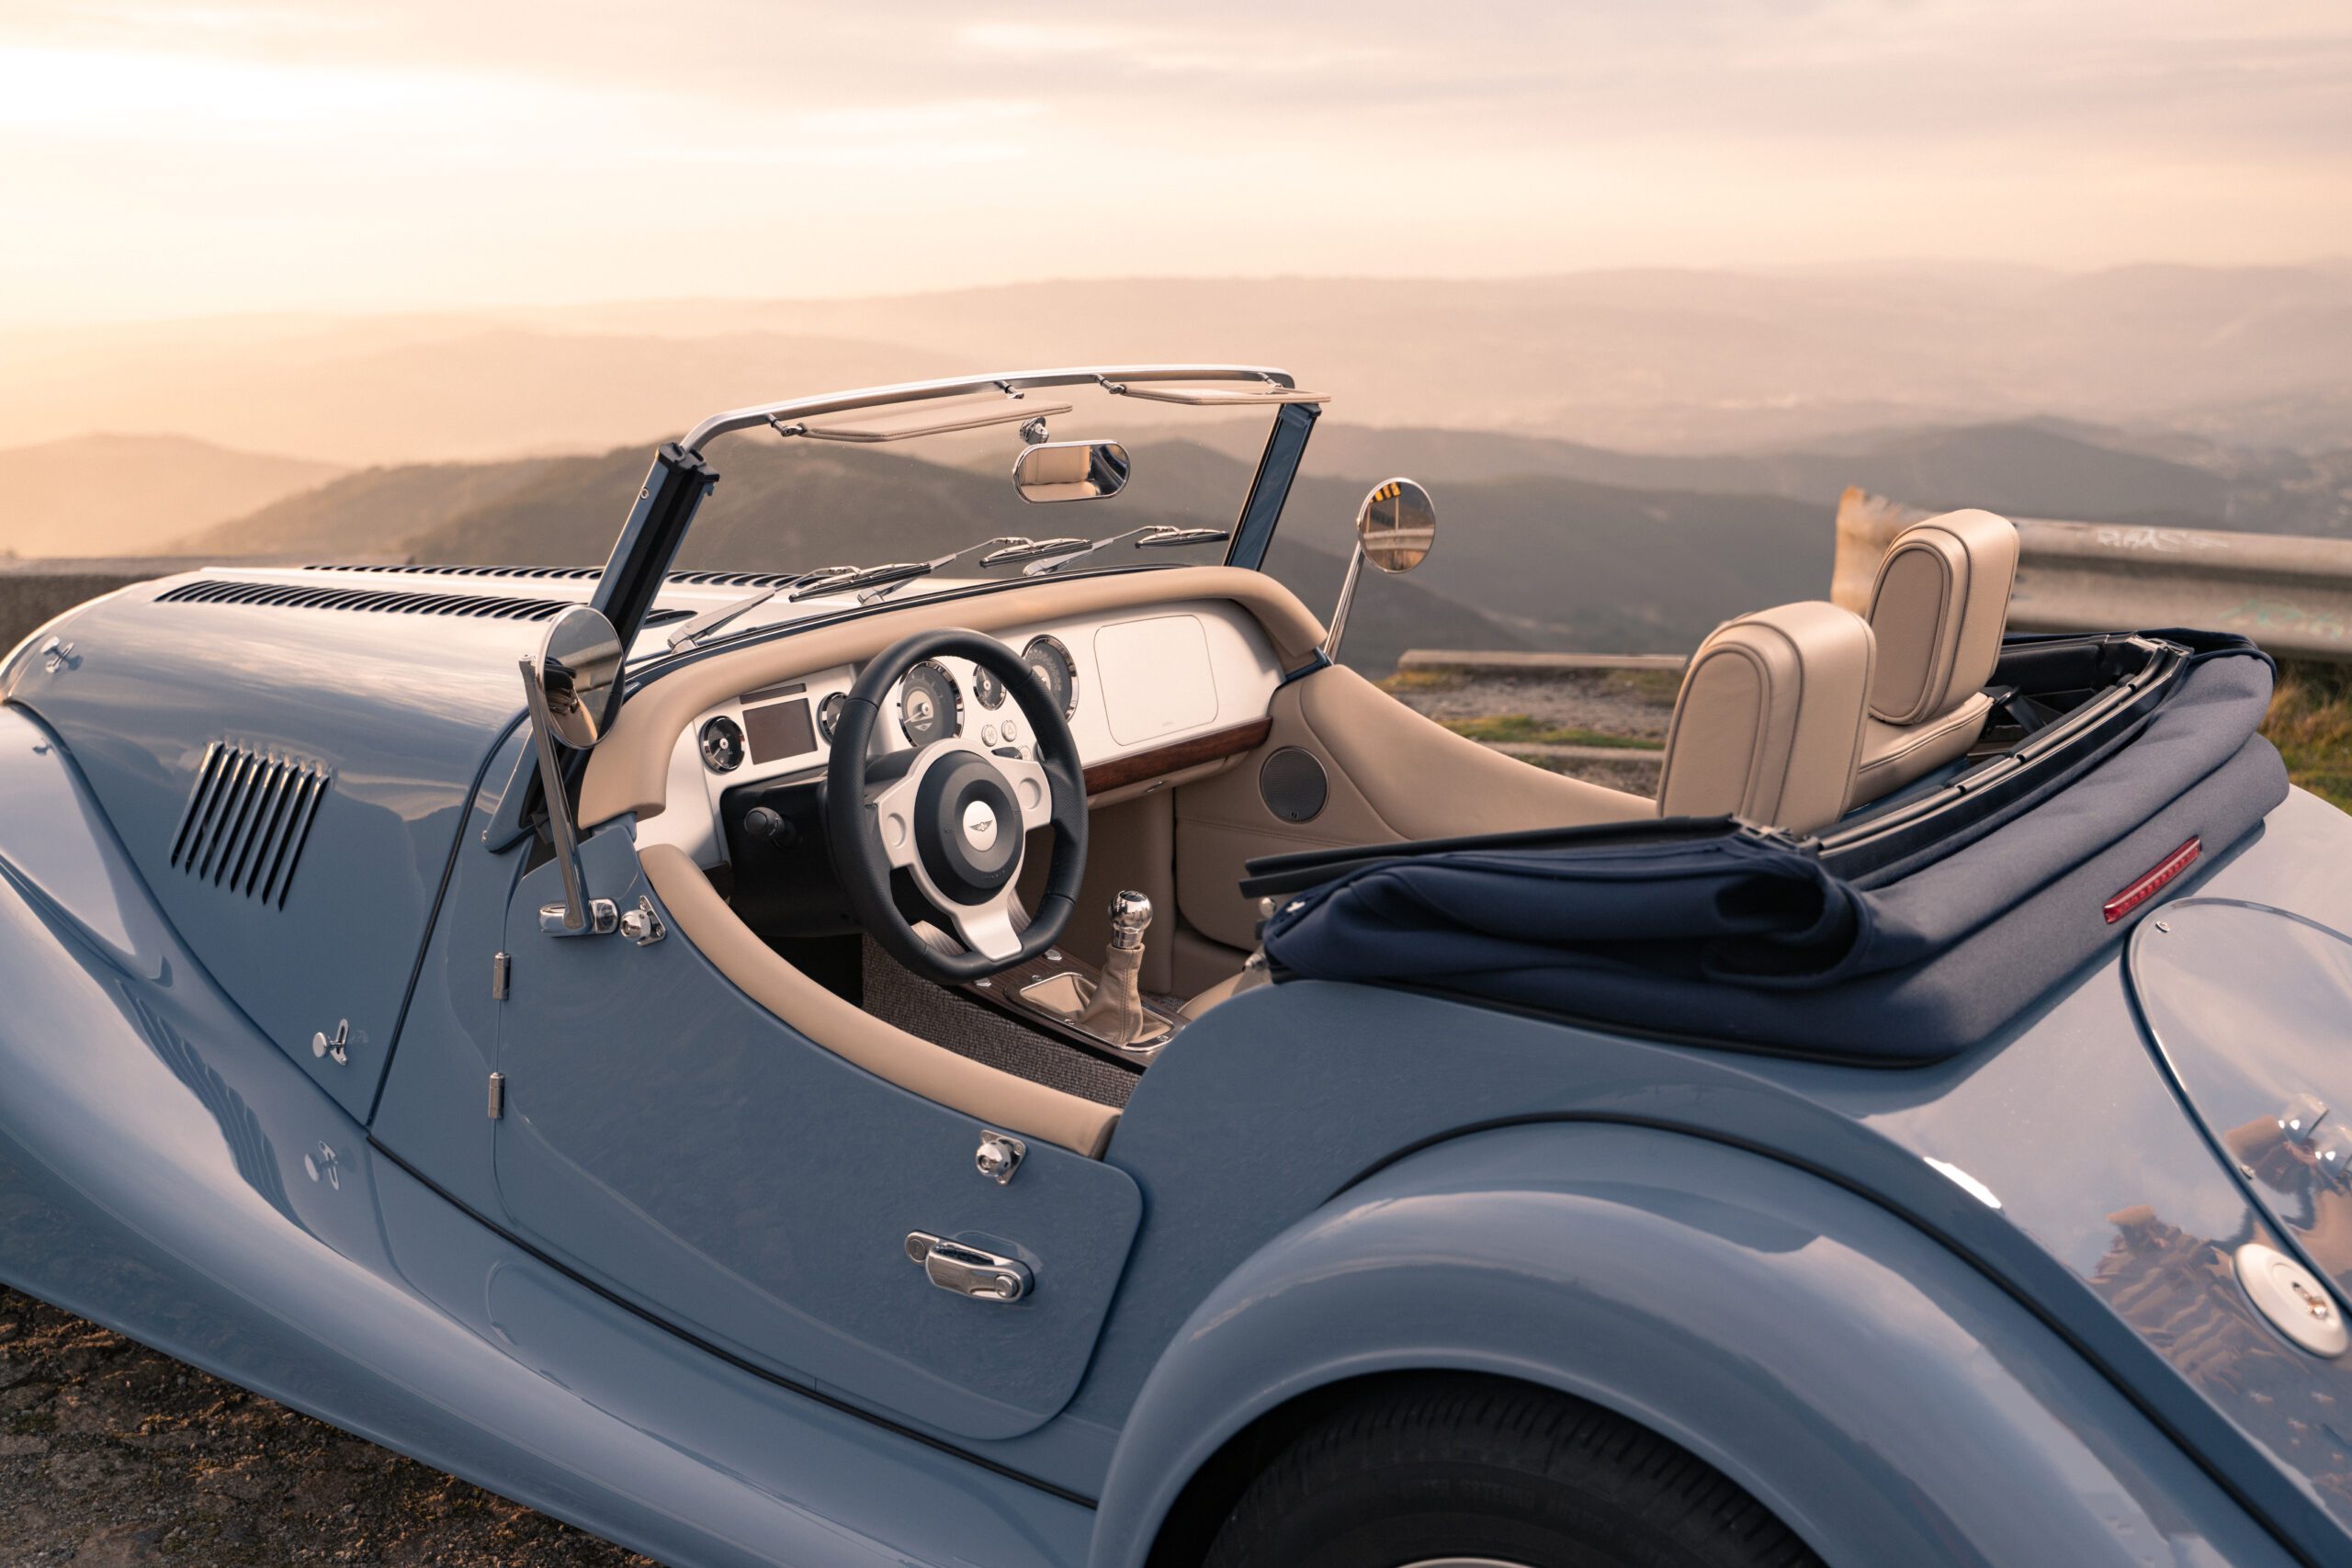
(953, 819)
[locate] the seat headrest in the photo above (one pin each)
(1939, 607)
(1768, 724)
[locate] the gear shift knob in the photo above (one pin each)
(1130, 918)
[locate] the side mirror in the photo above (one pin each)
(578, 672)
(572, 688)
(1395, 528)
(1070, 470)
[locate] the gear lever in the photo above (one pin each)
(1114, 1013)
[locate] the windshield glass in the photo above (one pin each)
(938, 510)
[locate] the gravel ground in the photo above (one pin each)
(111, 1454)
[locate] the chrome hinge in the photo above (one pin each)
(968, 1271)
(337, 1045)
(501, 972)
(497, 1096)
(604, 918)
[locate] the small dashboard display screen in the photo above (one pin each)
(779, 730)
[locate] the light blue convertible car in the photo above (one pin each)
(1017, 1056)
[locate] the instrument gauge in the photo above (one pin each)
(986, 690)
(1056, 670)
(722, 745)
(828, 714)
(931, 707)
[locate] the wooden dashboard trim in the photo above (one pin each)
(630, 769)
(1215, 746)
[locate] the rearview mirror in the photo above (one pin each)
(578, 674)
(1395, 526)
(1070, 470)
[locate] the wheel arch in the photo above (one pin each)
(1879, 1395)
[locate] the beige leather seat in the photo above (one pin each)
(1768, 724)
(1768, 727)
(1940, 608)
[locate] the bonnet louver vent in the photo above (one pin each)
(246, 820)
(397, 602)
(572, 574)
(545, 573)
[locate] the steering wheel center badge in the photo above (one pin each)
(980, 826)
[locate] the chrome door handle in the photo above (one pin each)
(968, 1271)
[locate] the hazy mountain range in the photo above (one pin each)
(127, 494)
(1655, 361)
(1621, 459)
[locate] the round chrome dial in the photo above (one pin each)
(1056, 670)
(828, 714)
(986, 690)
(931, 706)
(722, 745)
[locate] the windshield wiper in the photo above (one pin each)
(709, 621)
(997, 551)
(1158, 536)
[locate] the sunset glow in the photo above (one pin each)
(168, 160)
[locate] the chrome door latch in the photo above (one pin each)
(643, 925)
(968, 1271)
(999, 1156)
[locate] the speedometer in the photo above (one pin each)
(1056, 670)
(929, 706)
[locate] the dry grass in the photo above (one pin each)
(1505, 727)
(2311, 723)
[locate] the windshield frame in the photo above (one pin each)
(680, 478)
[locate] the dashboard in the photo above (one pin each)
(1135, 687)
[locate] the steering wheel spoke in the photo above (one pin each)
(990, 930)
(891, 809)
(1032, 791)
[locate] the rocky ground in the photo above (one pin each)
(113, 1455)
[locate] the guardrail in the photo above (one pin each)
(2292, 595)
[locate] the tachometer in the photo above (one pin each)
(1056, 670)
(929, 706)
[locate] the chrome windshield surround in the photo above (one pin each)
(1012, 383)
(663, 512)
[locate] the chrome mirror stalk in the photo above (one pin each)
(573, 689)
(573, 917)
(1339, 626)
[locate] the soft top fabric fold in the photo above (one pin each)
(1752, 940)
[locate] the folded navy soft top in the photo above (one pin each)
(1712, 929)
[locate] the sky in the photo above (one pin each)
(162, 160)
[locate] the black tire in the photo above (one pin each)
(1493, 1472)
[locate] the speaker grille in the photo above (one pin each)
(1292, 785)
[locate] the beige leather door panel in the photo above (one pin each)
(1391, 774)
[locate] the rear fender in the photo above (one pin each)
(1887, 1402)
